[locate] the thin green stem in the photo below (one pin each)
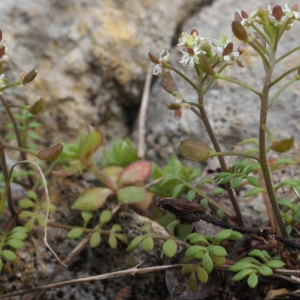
(103, 178)
(11, 85)
(286, 54)
(7, 192)
(217, 147)
(261, 51)
(284, 75)
(225, 153)
(182, 75)
(295, 78)
(262, 143)
(246, 86)
(261, 33)
(6, 146)
(213, 79)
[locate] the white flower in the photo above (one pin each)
(178, 112)
(250, 19)
(3, 51)
(191, 57)
(290, 13)
(164, 57)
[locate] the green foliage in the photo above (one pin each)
(122, 153)
(252, 267)
(176, 179)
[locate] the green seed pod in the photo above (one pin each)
(195, 150)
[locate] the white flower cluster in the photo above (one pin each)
(277, 18)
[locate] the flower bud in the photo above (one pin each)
(239, 31)
(174, 106)
(244, 14)
(168, 82)
(50, 153)
(205, 46)
(195, 150)
(283, 145)
(37, 107)
(277, 12)
(228, 49)
(238, 17)
(205, 66)
(153, 58)
(294, 7)
(28, 77)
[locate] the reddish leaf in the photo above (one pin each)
(112, 172)
(135, 173)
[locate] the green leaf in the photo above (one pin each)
(95, 239)
(259, 254)
(197, 238)
(26, 203)
(169, 248)
(112, 241)
(202, 275)
(171, 227)
(18, 235)
(289, 182)
(218, 260)
(122, 238)
(241, 274)
(191, 195)
(249, 141)
(237, 182)
(235, 236)
(105, 217)
(203, 181)
(89, 145)
(207, 263)
(251, 260)
(19, 229)
(252, 280)
(193, 250)
(86, 216)
(227, 178)
(135, 242)
(146, 227)
(75, 233)
(192, 283)
(251, 168)
(222, 235)
(254, 191)
(283, 161)
(32, 195)
(265, 270)
(14, 243)
(252, 180)
(187, 268)
(34, 136)
(217, 250)
(147, 243)
(241, 265)
(217, 191)
(1, 264)
(275, 264)
(204, 202)
(8, 255)
(131, 194)
(92, 199)
(25, 214)
(177, 190)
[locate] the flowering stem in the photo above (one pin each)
(286, 54)
(262, 142)
(295, 78)
(217, 147)
(261, 33)
(182, 75)
(284, 75)
(234, 153)
(246, 86)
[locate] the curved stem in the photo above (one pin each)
(284, 75)
(246, 86)
(182, 75)
(253, 156)
(295, 78)
(222, 162)
(286, 54)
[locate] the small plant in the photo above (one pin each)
(261, 32)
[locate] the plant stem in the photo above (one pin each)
(217, 147)
(7, 183)
(233, 153)
(103, 178)
(286, 54)
(262, 142)
(284, 75)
